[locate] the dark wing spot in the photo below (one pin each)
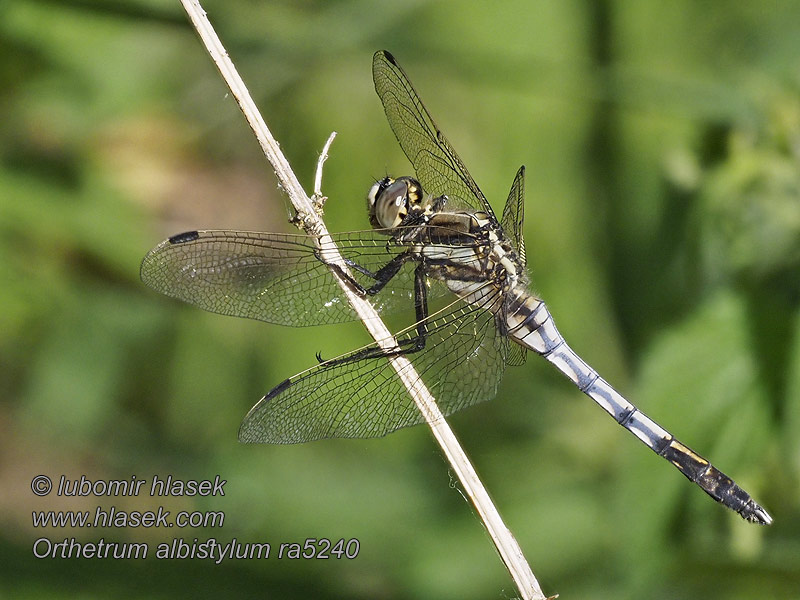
(278, 389)
(390, 57)
(182, 238)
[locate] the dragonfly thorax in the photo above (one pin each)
(391, 201)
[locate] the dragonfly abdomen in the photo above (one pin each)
(531, 325)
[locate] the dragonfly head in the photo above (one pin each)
(391, 201)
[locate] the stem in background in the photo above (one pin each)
(310, 220)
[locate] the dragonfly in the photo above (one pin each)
(434, 238)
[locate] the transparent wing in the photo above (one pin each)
(462, 363)
(514, 214)
(516, 355)
(436, 163)
(273, 277)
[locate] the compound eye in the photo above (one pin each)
(390, 205)
(376, 190)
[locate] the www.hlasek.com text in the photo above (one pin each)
(114, 517)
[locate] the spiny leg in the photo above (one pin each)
(382, 277)
(405, 346)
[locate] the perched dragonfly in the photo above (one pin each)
(435, 237)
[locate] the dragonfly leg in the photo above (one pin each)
(390, 269)
(382, 276)
(354, 285)
(406, 346)
(357, 267)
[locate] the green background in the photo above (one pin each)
(662, 142)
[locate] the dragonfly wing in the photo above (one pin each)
(270, 276)
(514, 214)
(516, 355)
(461, 364)
(436, 163)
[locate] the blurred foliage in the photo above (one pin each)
(662, 143)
